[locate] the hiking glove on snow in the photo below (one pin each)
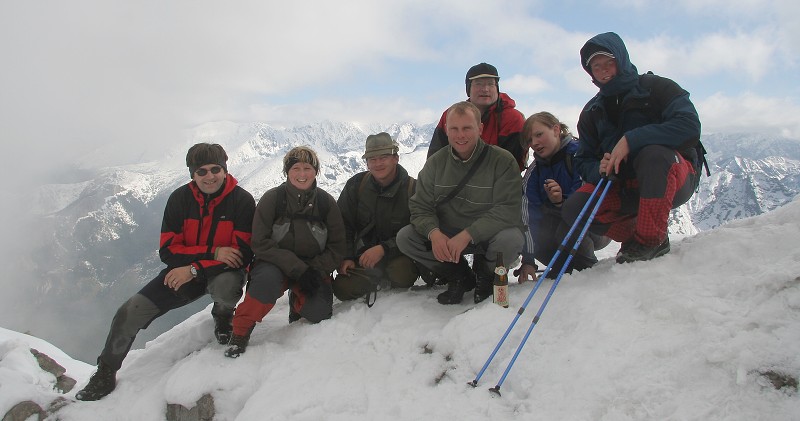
(309, 281)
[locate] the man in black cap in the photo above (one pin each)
(502, 123)
(205, 243)
(374, 207)
(468, 201)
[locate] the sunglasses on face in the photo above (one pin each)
(202, 171)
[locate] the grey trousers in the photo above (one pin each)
(508, 241)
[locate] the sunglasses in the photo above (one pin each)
(202, 171)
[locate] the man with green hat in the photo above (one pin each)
(374, 206)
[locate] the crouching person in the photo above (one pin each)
(548, 182)
(374, 206)
(298, 241)
(468, 201)
(205, 243)
(645, 131)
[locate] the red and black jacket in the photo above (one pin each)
(196, 224)
(502, 124)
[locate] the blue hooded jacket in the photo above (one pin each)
(677, 126)
(534, 200)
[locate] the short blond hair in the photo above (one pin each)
(464, 108)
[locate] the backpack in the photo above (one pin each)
(662, 92)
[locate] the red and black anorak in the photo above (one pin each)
(502, 124)
(195, 224)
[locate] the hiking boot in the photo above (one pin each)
(428, 276)
(237, 345)
(634, 251)
(223, 328)
(102, 382)
(484, 288)
(456, 289)
(484, 278)
(293, 315)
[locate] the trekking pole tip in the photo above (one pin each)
(473, 383)
(495, 390)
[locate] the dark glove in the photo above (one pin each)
(309, 281)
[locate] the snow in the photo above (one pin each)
(682, 337)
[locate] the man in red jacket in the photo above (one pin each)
(502, 123)
(205, 243)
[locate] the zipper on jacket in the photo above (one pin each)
(203, 212)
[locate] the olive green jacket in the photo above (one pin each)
(373, 214)
(490, 202)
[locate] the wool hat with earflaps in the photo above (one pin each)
(380, 144)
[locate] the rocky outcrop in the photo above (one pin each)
(64, 383)
(202, 411)
(28, 410)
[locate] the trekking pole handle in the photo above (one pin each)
(610, 177)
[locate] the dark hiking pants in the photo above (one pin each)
(155, 299)
(638, 209)
(267, 284)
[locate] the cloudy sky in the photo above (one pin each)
(99, 82)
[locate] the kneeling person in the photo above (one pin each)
(468, 201)
(374, 207)
(298, 240)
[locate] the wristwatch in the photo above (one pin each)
(193, 271)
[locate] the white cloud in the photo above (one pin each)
(691, 8)
(136, 75)
(749, 112)
(375, 109)
(788, 29)
(525, 84)
(127, 79)
(743, 55)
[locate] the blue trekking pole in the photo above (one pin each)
(521, 310)
(535, 320)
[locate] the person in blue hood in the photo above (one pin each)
(641, 130)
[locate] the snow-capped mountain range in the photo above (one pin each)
(100, 232)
